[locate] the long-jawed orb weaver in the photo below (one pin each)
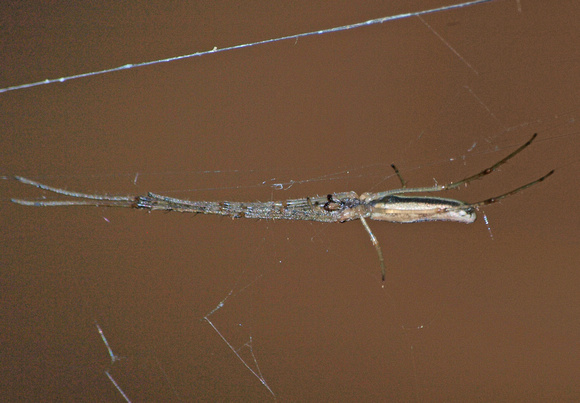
(391, 205)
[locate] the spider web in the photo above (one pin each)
(117, 304)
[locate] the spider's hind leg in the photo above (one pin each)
(403, 182)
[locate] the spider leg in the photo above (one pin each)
(503, 196)
(492, 168)
(89, 199)
(367, 197)
(403, 182)
(376, 244)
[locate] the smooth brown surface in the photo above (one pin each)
(462, 317)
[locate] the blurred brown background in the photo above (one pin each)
(462, 316)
